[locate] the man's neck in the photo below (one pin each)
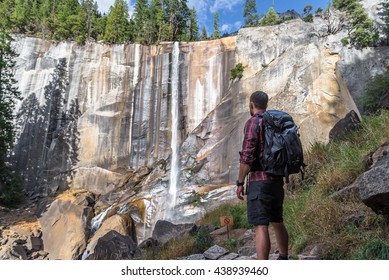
(258, 111)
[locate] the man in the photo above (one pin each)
(265, 194)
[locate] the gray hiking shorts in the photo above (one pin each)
(265, 202)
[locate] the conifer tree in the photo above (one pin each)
(193, 26)
(204, 35)
(216, 32)
(308, 17)
(156, 21)
(385, 6)
(142, 21)
(250, 13)
(21, 15)
(9, 94)
(271, 18)
(117, 30)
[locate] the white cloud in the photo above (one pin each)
(201, 7)
(225, 27)
(224, 5)
(238, 25)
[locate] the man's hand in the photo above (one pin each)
(240, 192)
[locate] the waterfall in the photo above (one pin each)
(174, 169)
(97, 220)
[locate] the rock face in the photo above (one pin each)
(109, 131)
(374, 186)
(65, 229)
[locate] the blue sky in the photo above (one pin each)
(231, 11)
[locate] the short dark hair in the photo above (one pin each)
(260, 99)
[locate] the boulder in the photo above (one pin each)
(34, 244)
(230, 256)
(373, 186)
(349, 123)
(165, 231)
(114, 246)
(193, 257)
(121, 224)
(372, 158)
(65, 229)
(215, 252)
(247, 251)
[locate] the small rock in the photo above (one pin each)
(243, 258)
(215, 252)
(247, 251)
(230, 256)
(19, 252)
(219, 231)
(4, 241)
(34, 244)
(20, 241)
(194, 257)
(308, 258)
(248, 236)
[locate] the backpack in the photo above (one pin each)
(283, 152)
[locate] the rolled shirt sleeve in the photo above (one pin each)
(250, 142)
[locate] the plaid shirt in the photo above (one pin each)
(252, 150)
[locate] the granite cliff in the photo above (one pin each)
(98, 118)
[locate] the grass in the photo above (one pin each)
(344, 229)
(313, 216)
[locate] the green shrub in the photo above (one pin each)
(203, 240)
(12, 193)
(237, 71)
(374, 250)
(375, 89)
(345, 41)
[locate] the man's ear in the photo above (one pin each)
(251, 106)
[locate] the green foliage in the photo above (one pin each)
(314, 216)
(385, 17)
(117, 28)
(204, 35)
(271, 18)
(203, 240)
(345, 41)
(237, 71)
(237, 211)
(11, 193)
(375, 89)
(308, 17)
(319, 11)
(374, 250)
(362, 31)
(216, 32)
(9, 94)
(250, 13)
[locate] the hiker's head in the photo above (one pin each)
(258, 101)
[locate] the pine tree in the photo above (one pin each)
(117, 28)
(142, 21)
(385, 13)
(250, 13)
(156, 21)
(271, 18)
(308, 17)
(204, 35)
(9, 94)
(216, 32)
(193, 26)
(5, 14)
(21, 15)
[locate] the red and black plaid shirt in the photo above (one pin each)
(252, 149)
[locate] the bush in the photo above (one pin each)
(237, 71)
(12, 193)
(375, 89)
(314, 216)
(374, 250)
(203, 240)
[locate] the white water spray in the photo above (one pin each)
(174, 169)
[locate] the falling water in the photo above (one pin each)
(97, 220)
(174, 169)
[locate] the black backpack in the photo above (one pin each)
(283, 152)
